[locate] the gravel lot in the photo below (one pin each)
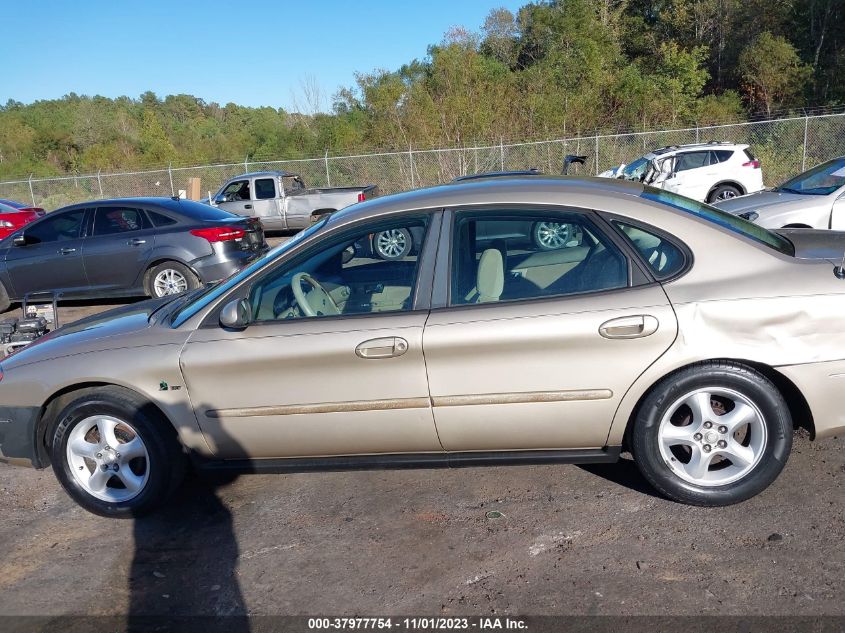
(570, 540)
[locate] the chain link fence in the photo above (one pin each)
(785, 147)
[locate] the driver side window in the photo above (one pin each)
(366, 271)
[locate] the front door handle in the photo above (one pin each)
(629, 326)
(247, 206)
(136, 241)
(66, 251)
(387, 347)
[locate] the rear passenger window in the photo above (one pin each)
(529, 256)
(662, 256)
(265, 189)
(692, 160)
(159, 219)
(108, 221)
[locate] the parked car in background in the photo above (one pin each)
(126, 247)
(13, 218)
(281, 200)
(703, 171)
(22, 206)
(689, 336)
(814, 199)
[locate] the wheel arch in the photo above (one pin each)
(731, 183)
(799, 408)
(161, 259)
(59, 399)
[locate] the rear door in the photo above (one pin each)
(118, 249)
(533, 348)
(693, 174)
(52, 256)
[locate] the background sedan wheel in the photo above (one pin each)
(712, 434)
(549, 236)
(392, 244)
(113, 452)
(170, 278)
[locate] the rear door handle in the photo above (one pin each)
(387, 347)
(629, 326)
(247, 206)
(136, 241)
(66, 251)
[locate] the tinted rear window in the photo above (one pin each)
(159, 219)
(724, 155)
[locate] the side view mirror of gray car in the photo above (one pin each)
(236, 314)
(19, 240)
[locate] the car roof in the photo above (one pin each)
(672, 149)
(187, 208)
(265, 174)
(537, 190)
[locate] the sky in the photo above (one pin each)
(254, 53)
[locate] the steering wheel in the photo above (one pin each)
(320, 303)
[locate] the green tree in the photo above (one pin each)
(772, 73)
(155, 146)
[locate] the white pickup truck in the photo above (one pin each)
(281, 200)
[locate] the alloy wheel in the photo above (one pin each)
(169, 282)
(392, 243)
(552, 235)
(108, 458)
(712, 436)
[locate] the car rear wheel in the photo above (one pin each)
(723, 192)
(114, 454)
(713, 434)
(392, 244)
(549, 236)
(170, 278)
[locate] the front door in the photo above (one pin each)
(537, 345)
(236, 197)
(332, 363)
(119, 247)
(51, 259)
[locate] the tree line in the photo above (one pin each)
(554, 68)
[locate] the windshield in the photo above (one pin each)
(722, 218)
(819, 181)
(213, 292)
(636, 170)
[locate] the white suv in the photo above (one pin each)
(707, 172)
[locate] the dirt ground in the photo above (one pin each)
(473, 541)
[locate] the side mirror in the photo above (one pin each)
(19, 240)
(219, 199)
(236, 314)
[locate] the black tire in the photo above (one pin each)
(723, 192)
(186, 273)
(394, 252)
(5, 302)
(748, 383)
(166, 464)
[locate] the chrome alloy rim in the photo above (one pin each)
(391, 243)
(712, 436)
(553, 235)
(169, 282)
(726, 195)
(108, 458)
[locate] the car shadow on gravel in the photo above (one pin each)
(622, 473)
(183, 574)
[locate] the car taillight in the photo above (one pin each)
(219, 233)
(5, 224)
(362, 196)
(752, 163)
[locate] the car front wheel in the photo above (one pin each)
(392, 244)
(712, 434)
(114, 454)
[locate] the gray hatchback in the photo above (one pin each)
(126, 247)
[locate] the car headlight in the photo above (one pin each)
(749, 215)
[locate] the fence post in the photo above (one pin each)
(31, 190)
(697, 133)
(502, 152)
(328, 177)
(170, 175)
(597, 152)
(411, 162)
(476, 160)
(246, 164)
(100, 183)
(804, 155)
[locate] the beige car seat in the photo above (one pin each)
(490, 280)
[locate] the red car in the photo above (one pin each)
(22, 206)
(12, 218)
